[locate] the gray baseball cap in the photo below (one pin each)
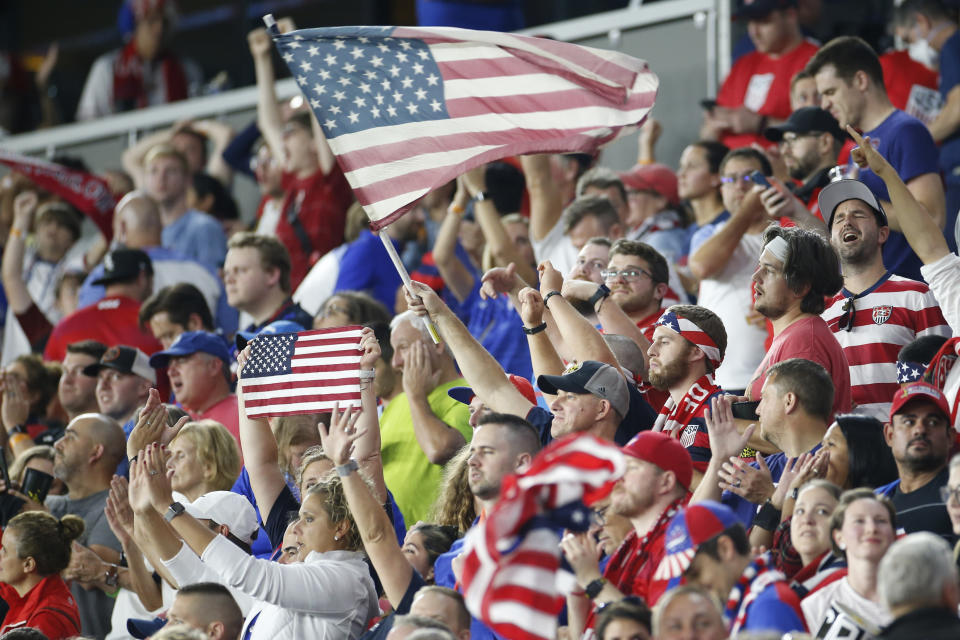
(596, 378)
(836, 193)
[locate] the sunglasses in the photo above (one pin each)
(849, 315)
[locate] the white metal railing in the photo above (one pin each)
(713, 14)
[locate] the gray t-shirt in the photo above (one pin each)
(95, 606)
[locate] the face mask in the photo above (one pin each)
(923, 52)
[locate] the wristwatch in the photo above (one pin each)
(174, 510)
(595, 587)
(348, 467)
(112, 576)
(602, 292)
(481, 196)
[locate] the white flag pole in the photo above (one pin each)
(398, 264)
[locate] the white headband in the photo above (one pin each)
(778, 248)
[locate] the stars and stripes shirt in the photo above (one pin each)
(887, 316)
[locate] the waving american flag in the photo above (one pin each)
(513, 577)
(407, 109)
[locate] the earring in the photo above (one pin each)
(842, 546)
(336, 537)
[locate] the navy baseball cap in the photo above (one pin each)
(590, 376)
(142, 628)
(121, 265)
(806, 120)
(755, 9)
(189, 343)
(277, 326)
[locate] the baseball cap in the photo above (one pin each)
(125, 359)
(690, 528)
(124, 264)
(596, 378)
(806, 120)
(916, 391)
(142, 628)
(277, 326)
(836, 193)
(658, 178)
(753, 9)
(664, 451)
(465, 394)
(229, 508)
(190, 342)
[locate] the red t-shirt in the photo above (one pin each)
(312, 217)
(112, 321)
(762, 84)
(224, 412)
(811, 339)
(48, 607)
(901, 74)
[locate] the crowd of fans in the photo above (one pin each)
(764, 332)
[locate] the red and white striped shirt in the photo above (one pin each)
(887, 316)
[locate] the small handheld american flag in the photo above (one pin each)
(306, 372)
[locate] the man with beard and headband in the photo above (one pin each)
(809, 142)
(85, 458)
(653, 488)
(876, 312)
(796, 271)
(688, 345)
(921, 437)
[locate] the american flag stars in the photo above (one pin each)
(366, 82)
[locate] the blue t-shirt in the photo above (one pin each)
(497, 326)
(907, 145)
(198, 236)
(949, 78)
(366, 266)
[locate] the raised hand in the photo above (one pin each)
(424, 300)
(867, 157)
(118, 511)
(337, 439)
(419, 378)
(499, 280)
(260, 42)
(581, 554)
(24, 206)
(16, 407)
(157, 477)
(753, 485)
(550, 278)
(725, 440)
(370, 348)
(531, 307)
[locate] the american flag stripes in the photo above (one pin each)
(307, 372)
(689, 330)
(408, 109)
(512, 574)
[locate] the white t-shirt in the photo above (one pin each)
(816, 606)
(728, 293)
(943, 276)
(557, 248)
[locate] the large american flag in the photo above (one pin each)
(307, 372)
(513, 578)
(408, 109)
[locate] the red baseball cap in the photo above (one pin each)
(915, 391)
(658, 178)
(664, 451)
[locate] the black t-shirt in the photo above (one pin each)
(382, 628)
(923, 510)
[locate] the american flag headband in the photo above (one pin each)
(694, 334)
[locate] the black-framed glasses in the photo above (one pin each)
(849, 315)
(947, 494)
(627, 274)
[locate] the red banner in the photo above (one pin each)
(85, 191)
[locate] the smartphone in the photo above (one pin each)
(745, 410)
(708, 104)
(760, 179)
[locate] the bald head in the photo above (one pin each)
(209, 607)
(137, 221)
(103, 430)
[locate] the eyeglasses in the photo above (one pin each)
(627, 274)
(849, 315)
(600, 515)
(744, 179)
(946, 494)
